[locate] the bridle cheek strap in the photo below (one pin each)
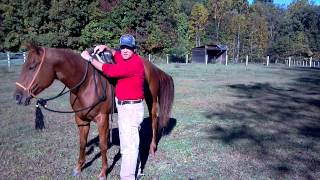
(28, 89)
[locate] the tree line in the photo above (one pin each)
(165, 26)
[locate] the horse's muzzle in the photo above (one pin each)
(21, 99)
(18, 98)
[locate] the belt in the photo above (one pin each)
(129, 101)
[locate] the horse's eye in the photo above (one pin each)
(32, 66)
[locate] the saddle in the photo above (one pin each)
(104, 56)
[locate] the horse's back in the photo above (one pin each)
(150, 70)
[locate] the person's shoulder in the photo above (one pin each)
(140, 62)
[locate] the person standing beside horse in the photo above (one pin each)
(129, 71)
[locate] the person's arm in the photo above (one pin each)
(101, 48)
(97, 64)
(122, 69)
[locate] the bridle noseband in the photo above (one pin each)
(28, 88)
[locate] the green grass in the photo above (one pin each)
(232, 122)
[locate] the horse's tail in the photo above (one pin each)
(166, 97)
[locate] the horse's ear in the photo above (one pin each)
(33, 47)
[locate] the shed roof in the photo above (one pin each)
(213, 47)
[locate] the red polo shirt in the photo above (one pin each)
(130, 74)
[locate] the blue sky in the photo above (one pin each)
(287, 2)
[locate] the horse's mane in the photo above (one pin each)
(66, 51)
(34, 48)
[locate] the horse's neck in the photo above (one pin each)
(71, 69)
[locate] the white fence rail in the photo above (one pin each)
(9, 59)
(290, 62)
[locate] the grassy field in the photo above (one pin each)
(232, 122)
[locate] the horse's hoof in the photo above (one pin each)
(102, 178)
(139, 176)
(76, 173)
(152, 152)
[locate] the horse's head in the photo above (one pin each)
(37, 73)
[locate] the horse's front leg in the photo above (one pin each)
(84, 127)
(103, 125)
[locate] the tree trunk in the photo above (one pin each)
(198, 38)
(238, 44)
(234, 50)
(217, 30)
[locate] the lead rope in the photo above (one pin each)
(112, 112)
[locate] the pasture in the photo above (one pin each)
(232, 122)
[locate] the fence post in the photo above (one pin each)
(247, 60)
(226, 59)
(206, 58)
(186, 58)
(289, 61)
(310, 61)
(267, 60)
(167, 58)
(9, 62)
(149, 57)
(24, 57)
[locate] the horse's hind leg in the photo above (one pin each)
(103, 127)
(152, 108)
(84, 127)
(153, 145)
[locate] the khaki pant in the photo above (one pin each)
(130, 117)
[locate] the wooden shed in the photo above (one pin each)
(209, 54)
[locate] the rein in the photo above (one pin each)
(43, 102)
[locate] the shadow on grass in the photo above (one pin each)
(146, 137)
(145, 134)
(277, 125)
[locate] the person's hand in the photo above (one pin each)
(100, 48)
(85, 55)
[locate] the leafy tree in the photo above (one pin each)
(101, 28)
(12, 24)
(165, 26)
(238, 16)
(258, 36)
(152, 22)
(33, 20)
(264, 1)
(198, 22)
(217, 11)
(65, 21)
(183, 44)
(2, 27)
(295, 30)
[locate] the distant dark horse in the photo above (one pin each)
(44, 65)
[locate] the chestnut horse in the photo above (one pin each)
(44, 65)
